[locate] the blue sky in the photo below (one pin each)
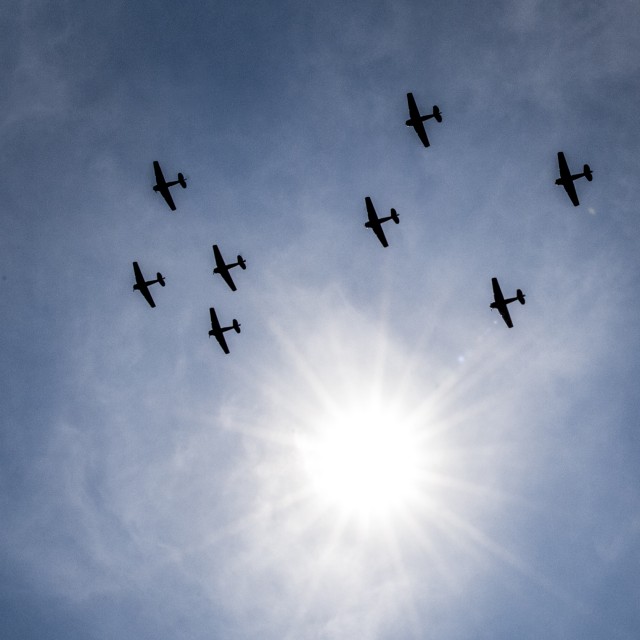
(152, 487)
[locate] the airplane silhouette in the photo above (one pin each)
(416, 119)
(500, 303)
(566, 178)
(375, 224)
(143, 285)
(162, 186)
(223, 269)
(218, 332)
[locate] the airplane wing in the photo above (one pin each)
(421, 131)
(377, 229)
(497, 292)
(228, 279)
(570, 188)
(166, 194)
(416, 120)
(567, 180)
(500, 304)
(141, 285)
(506, 316)
(158, 171)
(374, 223)
(147, 296)
(414, 113)
(217, 331)
(563, 166)
(222, 269)
(161, 186)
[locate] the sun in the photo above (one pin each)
(364, 461)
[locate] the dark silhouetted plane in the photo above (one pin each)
(223, 269)
(218, 332)
(566, 178)
(416, 119)
(500, 303)
(162, 186)
(375, 223)
(143, 285)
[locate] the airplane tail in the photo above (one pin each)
(394, 216)
(241, 262)
(437, 114)
(520, 296)
(160, 278)
(182, 181)
(588, 174)
(236, 326)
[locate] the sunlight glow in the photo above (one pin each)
(375, 480)
(365, 463)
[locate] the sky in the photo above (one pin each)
(379, 457)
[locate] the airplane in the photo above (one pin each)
(218, 332)
(143, 285)
(417, 120)
(375, 223)
(566, 178)
(500, 302)
(223, 269)
(162, 186)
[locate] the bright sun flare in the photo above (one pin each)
(365, 463)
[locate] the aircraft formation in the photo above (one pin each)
(222, 268)
(417, 120)
(374, 222)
